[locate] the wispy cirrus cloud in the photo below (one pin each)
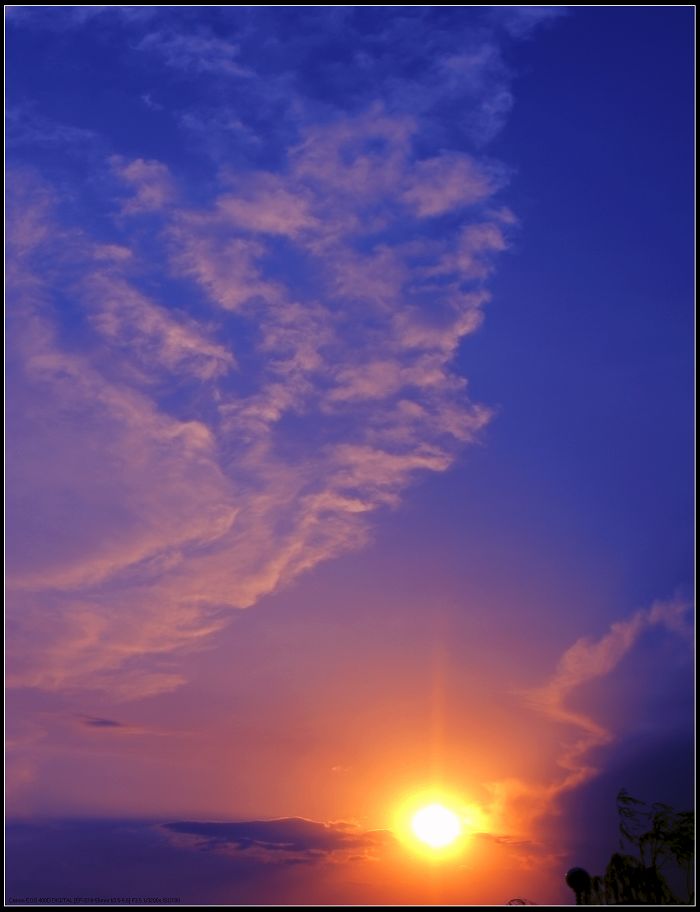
(220, 381)
(522, 21)
(27, 128)
(200, 53)
(151, 333)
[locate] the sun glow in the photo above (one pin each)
(436, 825)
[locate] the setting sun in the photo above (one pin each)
(436, 825)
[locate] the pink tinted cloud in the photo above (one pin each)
(265, 205)
(448, 181)
(180, 514)
(227, 268)
(360, 158)
(472, 256)
(149, 332)
(150, 182)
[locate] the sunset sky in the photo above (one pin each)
(350, 446)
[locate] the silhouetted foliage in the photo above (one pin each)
(660, 838)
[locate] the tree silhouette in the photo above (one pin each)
(663, 843)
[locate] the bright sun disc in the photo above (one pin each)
(436, 826)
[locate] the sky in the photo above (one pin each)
(349, 404)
